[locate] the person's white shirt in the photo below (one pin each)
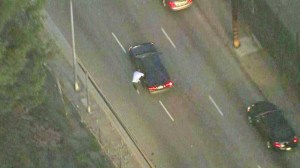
(137, 76)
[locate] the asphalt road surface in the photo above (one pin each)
(202, 121)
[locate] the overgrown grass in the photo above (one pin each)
(46, 137)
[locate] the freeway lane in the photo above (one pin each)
(208, 83)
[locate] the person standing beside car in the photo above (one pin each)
(137, 75)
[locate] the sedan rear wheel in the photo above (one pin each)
(268, 144)
(164, 2)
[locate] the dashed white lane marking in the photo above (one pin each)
(119, 42)
(165, 33)
(166, 110)
(258, 166)
(215, 104)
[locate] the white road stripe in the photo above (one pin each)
(258, 166)
(215, 104)
(118, 42)
(165, 33)
(166, 110)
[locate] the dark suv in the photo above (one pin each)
(146, 58)
(268, 119)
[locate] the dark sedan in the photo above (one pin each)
(269, 120)
(145, 57)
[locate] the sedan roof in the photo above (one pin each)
(155, 73)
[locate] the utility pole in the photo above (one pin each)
(235, 25)
(76, 85)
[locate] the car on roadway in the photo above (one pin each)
(270, 122)
(146, 58)
(176, 5)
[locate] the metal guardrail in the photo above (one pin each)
(94, 84)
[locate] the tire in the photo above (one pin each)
(269, 145)
(164, 3)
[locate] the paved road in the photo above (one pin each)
(201, 122)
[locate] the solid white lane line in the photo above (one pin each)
(166, 110)
(118, 42)
(215, 104)
(165, 33)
